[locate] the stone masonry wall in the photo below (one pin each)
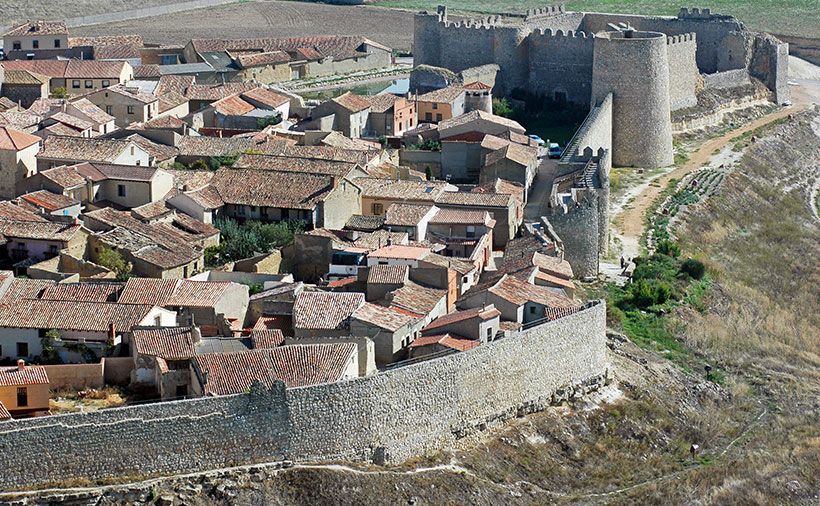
(683, 70)
(561, 62)
(387, 417)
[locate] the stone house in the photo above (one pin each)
(60, 123)
(24, 390)
(347, 113)
(478, 122)
(437, 344)
(79, 108)
(36, 39)
(463, 272)
(465, 234)
(36, 239)
(504, 208)
(422, 302)
(410, 218)
(508, 160)
(378, 194)
(91, 183)
(251, 110)
(49, 203)
(162, 358)
(77, 77)
(59, 150)
(127, 104)
(294, 366)
(24, 87)
(395, 254)
(18, 159)
(390, 115)
(264, 68)
(477, 324)
(440, 105)
(517, 300)
(390, 330)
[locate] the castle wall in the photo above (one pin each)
(387, 417)
(594, 133)
(578, 228)
(633, 67)
(770, 64)
(683, 70)
(561, 62)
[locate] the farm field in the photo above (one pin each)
(15, 11)
(269, 19)
(791, 17)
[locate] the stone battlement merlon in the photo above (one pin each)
(677, 39)
(549, 32)
(702, 14)
(548, 11)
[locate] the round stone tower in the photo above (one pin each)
(634, 67)
(478, 97)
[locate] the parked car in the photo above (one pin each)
(555, 150)
(538, 140)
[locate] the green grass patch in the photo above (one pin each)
(792, 17)
(743, 141)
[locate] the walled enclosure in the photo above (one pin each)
(387, 417)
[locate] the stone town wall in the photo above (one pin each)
(387, 417)
(561, 63)
(683, 70)
(581, 249)
(727, 79)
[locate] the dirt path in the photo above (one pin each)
(630, 222)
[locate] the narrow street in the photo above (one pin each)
(539, 192)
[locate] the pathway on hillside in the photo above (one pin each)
(629, 223)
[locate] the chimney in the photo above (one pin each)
(112, 331)
(196, 335)
(21, 365)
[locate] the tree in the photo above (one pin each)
(694, 268)
(59, 92)
(113, 261)
(501, 107)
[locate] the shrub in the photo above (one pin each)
(693, 268)
(59, 92)
(249, 239)
(199, 165)
(668, 248)
(501, 107)
(114, 262)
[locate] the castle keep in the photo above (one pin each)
(650, 64)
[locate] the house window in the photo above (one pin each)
(185, 272)
(182, 391)
(132, 150)
(22, 397)
(428, 116)
(22, 349)
(532, 309)
(435, 106)
(139, 162)
(16, 45)
(438, 117)
(109, 110)
(56, 43)
(378, 209)
(89, 84)
(52, 249)
(464, 279)
(158, 321)
(240, 210)
(35, 44)
(130, 111)
(120, 190)
(75, 84)
(470, 231)
(168, 59)
(106, 84)
(490, 334)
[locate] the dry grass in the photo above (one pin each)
(72, 401)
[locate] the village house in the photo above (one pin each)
(79, 108)
(23, 87)
(102, 183)
(478, 324)
(250, 110)
(30, 237)
(55, 204)
(35, 40)
(464, 233)
(440, 105)
(61, 123)
(293, 366)
(395, 254)
(390, 330)
(18, 159)
(96, 325)
(24, 390)
(379, 194)
(410, 218)
(390, 115)
(60, 150)
(423, 302)
(504, 208)
(508, 160)
(162, 357)
(264, 68)
(347, 113)
(77, 77)
(127, 104)
(437, 344)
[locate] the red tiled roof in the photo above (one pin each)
(37, 27)
(416, 298)
(265, 323)
(461, 217)
(266, 338)
(48, 200)
(261, 59)
(382, 317)
(342, 282)
(4, 413)
(72, 315)
(400, 252)
(198, 293)
(406, 215)
(325, 310)
(295, 366)
(272, 189)
(169, 343)
(452, 341)
(478, 85)
(83, 292)
(351, 102)
(232, 106)
(173, 292)
(520, 292)
(148, 291)
(387, 274)
(14, 140)
(266, 97)
(459, 316)
(30, 375)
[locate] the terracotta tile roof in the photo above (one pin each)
(522, 155)
(65, 176)
(92, 112)
(479, 115)
(520, 292)
(272, 189)
(555, 280)
(213, 146)
(427, 191)
(212, 93)
(82, 292)
(191, 293)
(474, 199)
(351, 102)
(325, 310)
(552, 265)
(382, 317)
(379, 238)
(461, 217)
(452, 341)
(13, 140)
(72, 121)
(484, 313)
(101, 171)
(151, 210)
(501, 186)
(478, 85)
(265, 323)
(22, 121)
(207, 198)
(294, 164)
(93, 69)
(30, 375)
(266, 97)
(11, 211)
(338, 283)
(37, 27)
(400, 252)
(381, 103)
(176, 84)
(388, 274)
(443, 95)
(295, 366)
(160, 152)
(147, 71)
(156, 292)
(266, 338)
(82, 148)
(45, 230)
(72, 315)
(310, 48)
(190, 179)
(20, 289)
(116, 51)
(200, 230)
(169, 343)
(416, 298)
(20, 77)
(460, 266)
(48, 200)
(362, 157)
(4, 413)
(364, 223)
(262, 59)
(48, 68)
(232, 106)
(406, 215)
(7, 104)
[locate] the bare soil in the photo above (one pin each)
(15, 11)
(392, 27)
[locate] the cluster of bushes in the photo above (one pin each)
(251, 238)
(427, 145)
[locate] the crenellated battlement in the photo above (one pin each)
(548, 11)
(695, 13)
(677, 39)
(549, 32)
(488, 22)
